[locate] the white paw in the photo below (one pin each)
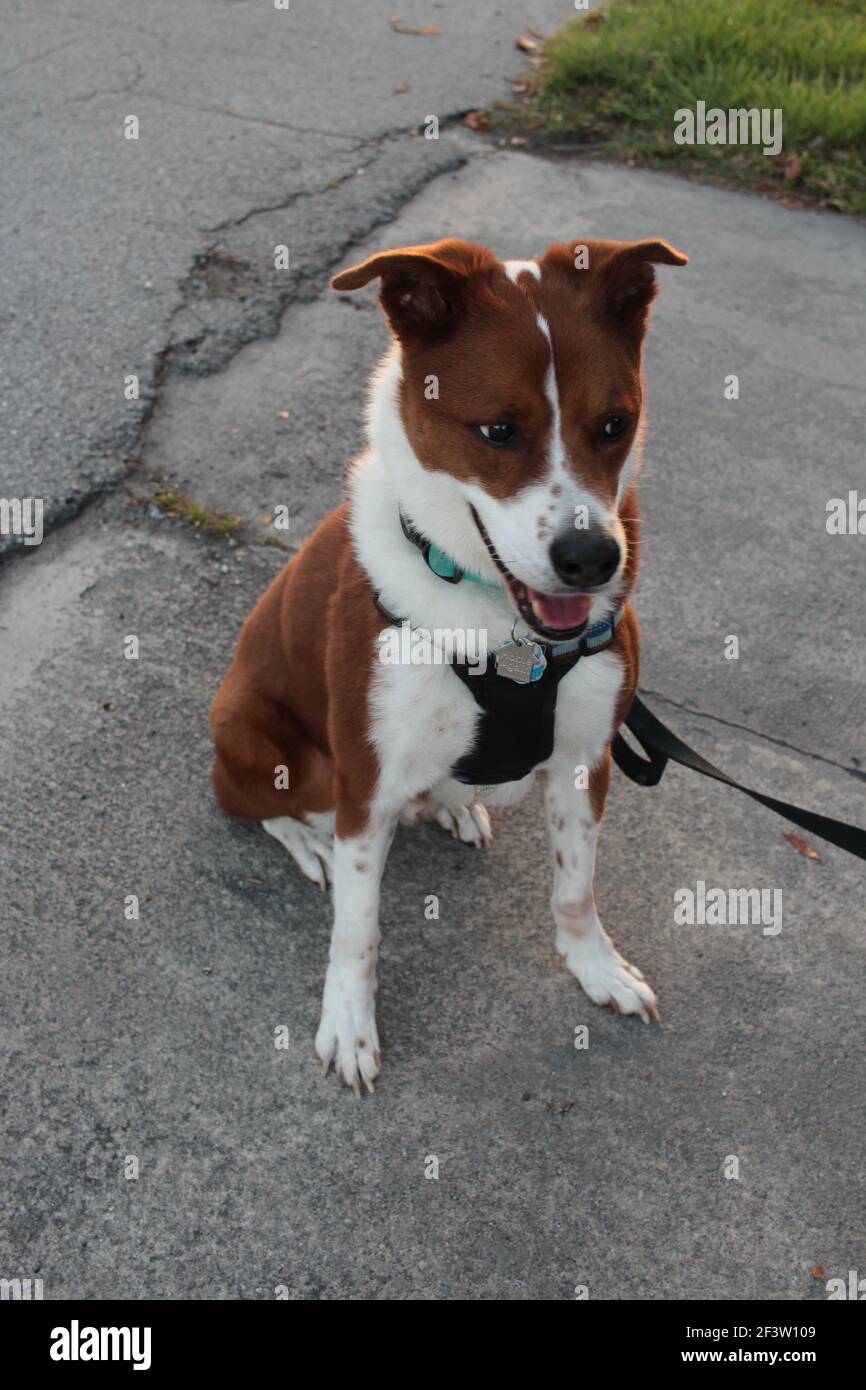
(608, 979)
(347, 1034)
(471, 824)
(312, 851)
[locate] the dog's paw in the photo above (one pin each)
(610, 980)
(347, 1037)
(312, 851)
(471, 824)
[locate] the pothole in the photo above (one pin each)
(217, 274)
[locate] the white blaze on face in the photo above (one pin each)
(573, 494)
(551, 390)
(514, 269)
(523, 527)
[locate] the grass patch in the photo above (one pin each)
(180, 508)
(614, 78)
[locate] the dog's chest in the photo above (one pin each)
(425, 723)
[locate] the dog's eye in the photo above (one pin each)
(500, 434)
(614, 427)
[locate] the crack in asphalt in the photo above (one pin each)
(856, 772)
(266, 120)
(279, 207)
(124, 27)
(128, 86)
(37, 57)
(387, 208)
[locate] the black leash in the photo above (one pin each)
(661, 745)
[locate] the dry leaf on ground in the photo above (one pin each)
(801, 846)
(399, 27)
(793, 166)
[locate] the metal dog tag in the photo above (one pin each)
(522, 662)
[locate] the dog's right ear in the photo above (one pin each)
(423, 288)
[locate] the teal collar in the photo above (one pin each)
(593, 639)
(441, 564)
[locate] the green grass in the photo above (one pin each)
(615, 78)
(180, 508)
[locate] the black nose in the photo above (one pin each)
(584, 559)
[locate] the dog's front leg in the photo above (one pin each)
(347, 1033)
(573, 820)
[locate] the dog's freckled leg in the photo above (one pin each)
(573, 818)
(347, 1033)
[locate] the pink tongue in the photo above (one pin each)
(561, 611)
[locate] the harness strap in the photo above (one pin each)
(661, 745)
(516, 729)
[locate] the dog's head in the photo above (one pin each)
(521, 387)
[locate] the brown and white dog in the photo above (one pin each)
(505, 427)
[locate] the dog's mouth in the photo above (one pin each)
(555, 616)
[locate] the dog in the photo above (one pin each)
(497, 497)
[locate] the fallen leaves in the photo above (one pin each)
(817, 1272)
(793, 167)
(476, 120)
(525, 44)
(402, 89)
(560, 1107)
(801, 846)
(426, 31)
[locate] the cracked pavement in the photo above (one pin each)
(154, 1038)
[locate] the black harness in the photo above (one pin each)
(515, 732)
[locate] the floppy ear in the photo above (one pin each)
(616, 277)
(630, 279)
(423, 288)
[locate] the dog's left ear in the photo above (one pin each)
(633, 281)
(629, 278)
(617, 275)
(423, 287)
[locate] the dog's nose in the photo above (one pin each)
(584, 559)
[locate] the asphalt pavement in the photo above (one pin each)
(156, 1142)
